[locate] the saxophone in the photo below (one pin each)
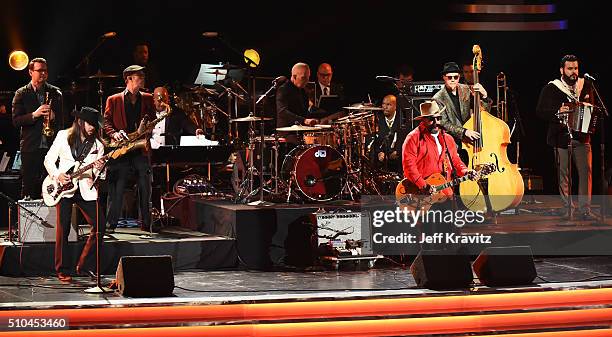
(135, 139)
(47, 130)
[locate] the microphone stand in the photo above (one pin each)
(602, 151)
(98, 289)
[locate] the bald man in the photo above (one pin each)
(385, 152)
(177, 124)
(292, 100)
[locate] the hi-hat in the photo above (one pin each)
(99, 75)
(250, 119)
(202, 90)
(362, 107)
(71, 89)
(297, 128)
(216, 72)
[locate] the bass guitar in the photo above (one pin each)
(53, 191)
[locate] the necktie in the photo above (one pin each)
(325, 91)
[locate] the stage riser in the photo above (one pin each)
(38, 259)
(265, 237)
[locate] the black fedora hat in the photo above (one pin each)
(450, 67)
(90, 115)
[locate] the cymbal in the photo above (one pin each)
(297, 128)
(72, 89)
(226, 66)
(99, 75)
(216, 72)
(323, 126)
(362, 107)
(202, 90)
(250, 119)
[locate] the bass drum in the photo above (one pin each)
(317, 172)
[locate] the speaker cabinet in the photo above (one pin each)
(505, 266)
(441, 269)
(145, 276)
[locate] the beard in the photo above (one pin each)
(571, 80)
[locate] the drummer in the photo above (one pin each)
(292, 101)
(385, 152)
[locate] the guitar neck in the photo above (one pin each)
(451, 183)
(83, 169)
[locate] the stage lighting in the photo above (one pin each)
(251, 57)
(18, 60)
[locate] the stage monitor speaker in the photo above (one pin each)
(505, 266)
(145, 276)
(441, 269)
(32, 230)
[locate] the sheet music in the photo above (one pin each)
(197, 141)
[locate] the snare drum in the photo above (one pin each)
(317, 172)
(321, 138)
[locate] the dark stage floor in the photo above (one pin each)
(207, 287)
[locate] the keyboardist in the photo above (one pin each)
(177, 124)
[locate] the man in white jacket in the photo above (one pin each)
(79, 143)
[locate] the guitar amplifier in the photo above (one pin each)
(343, 227)
(32, 230)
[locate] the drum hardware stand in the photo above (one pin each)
(231, 96)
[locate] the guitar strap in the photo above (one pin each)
(447, 160)
(85, 151)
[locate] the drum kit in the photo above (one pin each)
(328, 163)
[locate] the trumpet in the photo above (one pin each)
(502, 93)
(47, 130)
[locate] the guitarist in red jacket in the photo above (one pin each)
(79, 143)
(429, 150)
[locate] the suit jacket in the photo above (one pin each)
(453, 120)
(291, 105)
(384, 142)
(60, 149)
(114, 113)
(25, 103)
(177, 125)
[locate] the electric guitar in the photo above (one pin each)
(53, 191)
(408, 195)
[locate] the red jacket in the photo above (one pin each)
(114, 113)
(420, 157)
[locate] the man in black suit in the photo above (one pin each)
(170, 130)
(386, 149)
(30, 109)
(325, 87)
(292, 104)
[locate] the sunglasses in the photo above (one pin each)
(453, 77)
(433, 118)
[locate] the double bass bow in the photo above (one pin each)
(503, 188)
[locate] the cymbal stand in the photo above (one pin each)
(232, 96)
(262, 182)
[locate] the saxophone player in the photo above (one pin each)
(125, 113)
(35, 106)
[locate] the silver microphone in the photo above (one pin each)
(589, 77)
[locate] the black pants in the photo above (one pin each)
(91, 211)
(118, 174)
(32, 173)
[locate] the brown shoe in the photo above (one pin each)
(64, 278)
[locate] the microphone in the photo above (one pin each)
(275, 84)
(589, 77)
(210, 34)
(386, 79)
(108, 35)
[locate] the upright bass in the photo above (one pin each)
(504, 187)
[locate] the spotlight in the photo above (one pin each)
(18, 60)
(251, 57)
